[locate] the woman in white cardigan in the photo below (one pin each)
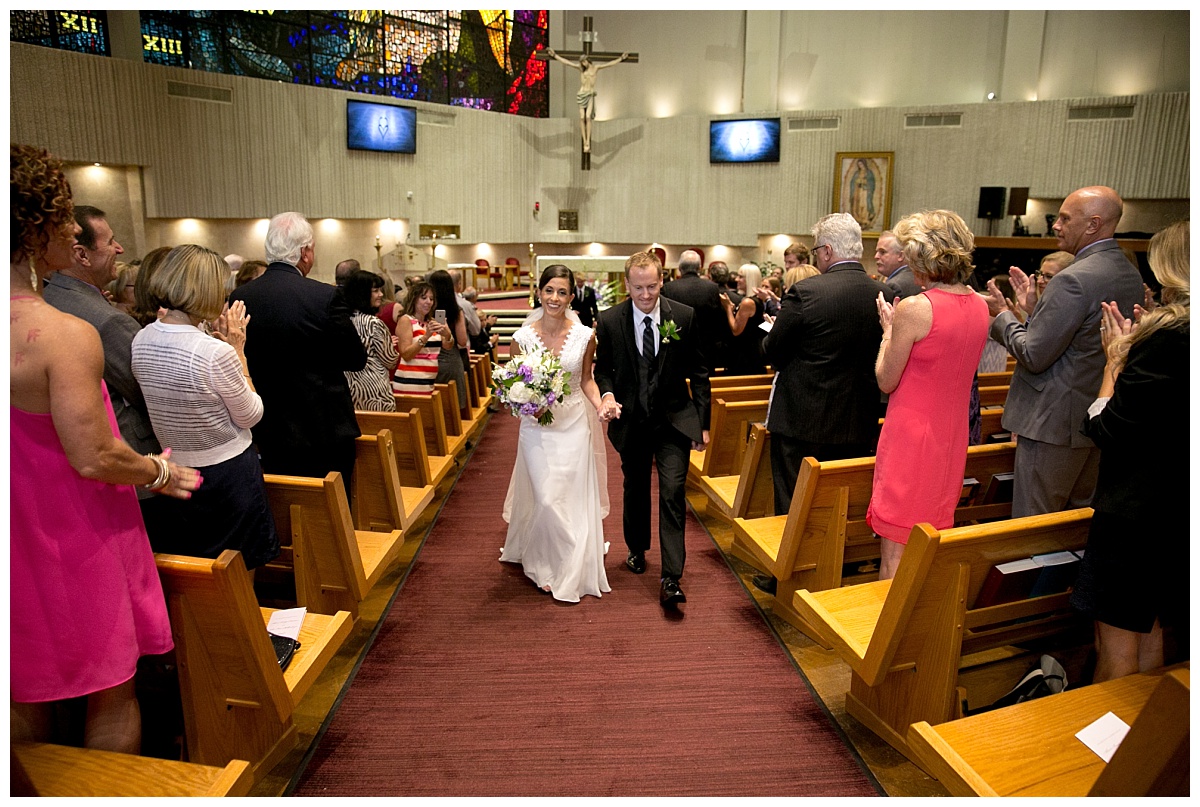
(202, 403)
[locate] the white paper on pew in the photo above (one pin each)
(1104, 735)
(287, 622)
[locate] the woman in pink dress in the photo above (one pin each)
(931, 346)
(85, 598)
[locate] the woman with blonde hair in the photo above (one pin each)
(142, 309)
(120, 290)
(745, 349)
(931, 346)
(84, 596)
(1130, 589)
(202, 403)
(797, 273)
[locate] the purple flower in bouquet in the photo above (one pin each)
(531, 384)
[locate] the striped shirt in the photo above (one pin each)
(199, 402)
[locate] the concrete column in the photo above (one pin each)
(125, 35)
(760, 75)
(1021, 66)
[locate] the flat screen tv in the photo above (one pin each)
(747, 140)
(381, 127)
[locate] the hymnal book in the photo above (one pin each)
(1058, 573)
(1008, 582)
(999, 489)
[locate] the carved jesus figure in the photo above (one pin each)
(586, 97)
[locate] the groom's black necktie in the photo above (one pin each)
(646, 370)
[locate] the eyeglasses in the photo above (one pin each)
(819, 246)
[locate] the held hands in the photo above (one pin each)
(609, 409)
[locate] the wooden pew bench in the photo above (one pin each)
(61, 771)
(335, 565)
(417, 466)
(439, 442)
(826, 528)
(917, 646)
(749, 493)
(1001, 379)
(237, 703)
(382, 502)
(728, 431)
(1030, 749)
(717, 382)
(993, 395)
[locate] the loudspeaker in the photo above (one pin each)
(1018, 199)
(991, 203)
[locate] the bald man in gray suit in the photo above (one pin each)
(1059, 356)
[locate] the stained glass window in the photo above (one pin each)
(80, 31)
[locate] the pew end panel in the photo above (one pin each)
(1030, 749)
(928, 626)
(237, 703)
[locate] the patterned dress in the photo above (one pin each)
(371, 386)
(417, 375)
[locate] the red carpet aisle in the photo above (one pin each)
(480, 685)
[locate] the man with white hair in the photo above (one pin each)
(823, 346)
(299, 343)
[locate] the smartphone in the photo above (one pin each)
(440, 315)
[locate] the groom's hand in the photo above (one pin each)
(609, 408)
(704, 442)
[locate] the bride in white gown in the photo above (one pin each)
(557, 496)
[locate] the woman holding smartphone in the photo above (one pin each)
(451, 362)
(421, 337)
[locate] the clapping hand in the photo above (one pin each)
(886, 312)
(230, 327)
(997, 303)
(1113, 325)
(1024, 289)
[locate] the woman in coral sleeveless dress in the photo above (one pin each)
(85, 598)
(931, 346)
(557, 495)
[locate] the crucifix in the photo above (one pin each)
(587, 67)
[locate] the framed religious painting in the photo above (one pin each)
(862, 187)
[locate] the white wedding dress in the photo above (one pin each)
(557, 496)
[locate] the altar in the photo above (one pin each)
(610, 268)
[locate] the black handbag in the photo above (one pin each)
(285, 648)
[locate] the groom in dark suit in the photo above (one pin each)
(647, 349)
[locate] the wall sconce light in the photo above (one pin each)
(537, 208)
(991, 96)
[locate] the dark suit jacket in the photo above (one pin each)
(585, 306)
(823, 346)
(679, 361)
(703, 296)
(1058, 351)
(299, 342)
(903, 283)
(116, 329)
(1151, 391)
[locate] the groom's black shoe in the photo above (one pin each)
(765, 582)
(636, 562)
(671, 594)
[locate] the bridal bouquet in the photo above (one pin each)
(530, 384)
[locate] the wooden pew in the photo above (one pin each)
(1030, 749)
(917, 646)
(64, 771)
(237, 703)
(456, 428)
(826, 527)
(381, 501)
(717, 382)
(993, 396)
(439, 442)
(334, 564)
(750, 493)
(754, 392)
(417, 466)
(728, 430)
(1001, 379)
(991, 426)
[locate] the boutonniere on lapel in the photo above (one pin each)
(669, 331)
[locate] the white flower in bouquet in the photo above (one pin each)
(531, 384)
